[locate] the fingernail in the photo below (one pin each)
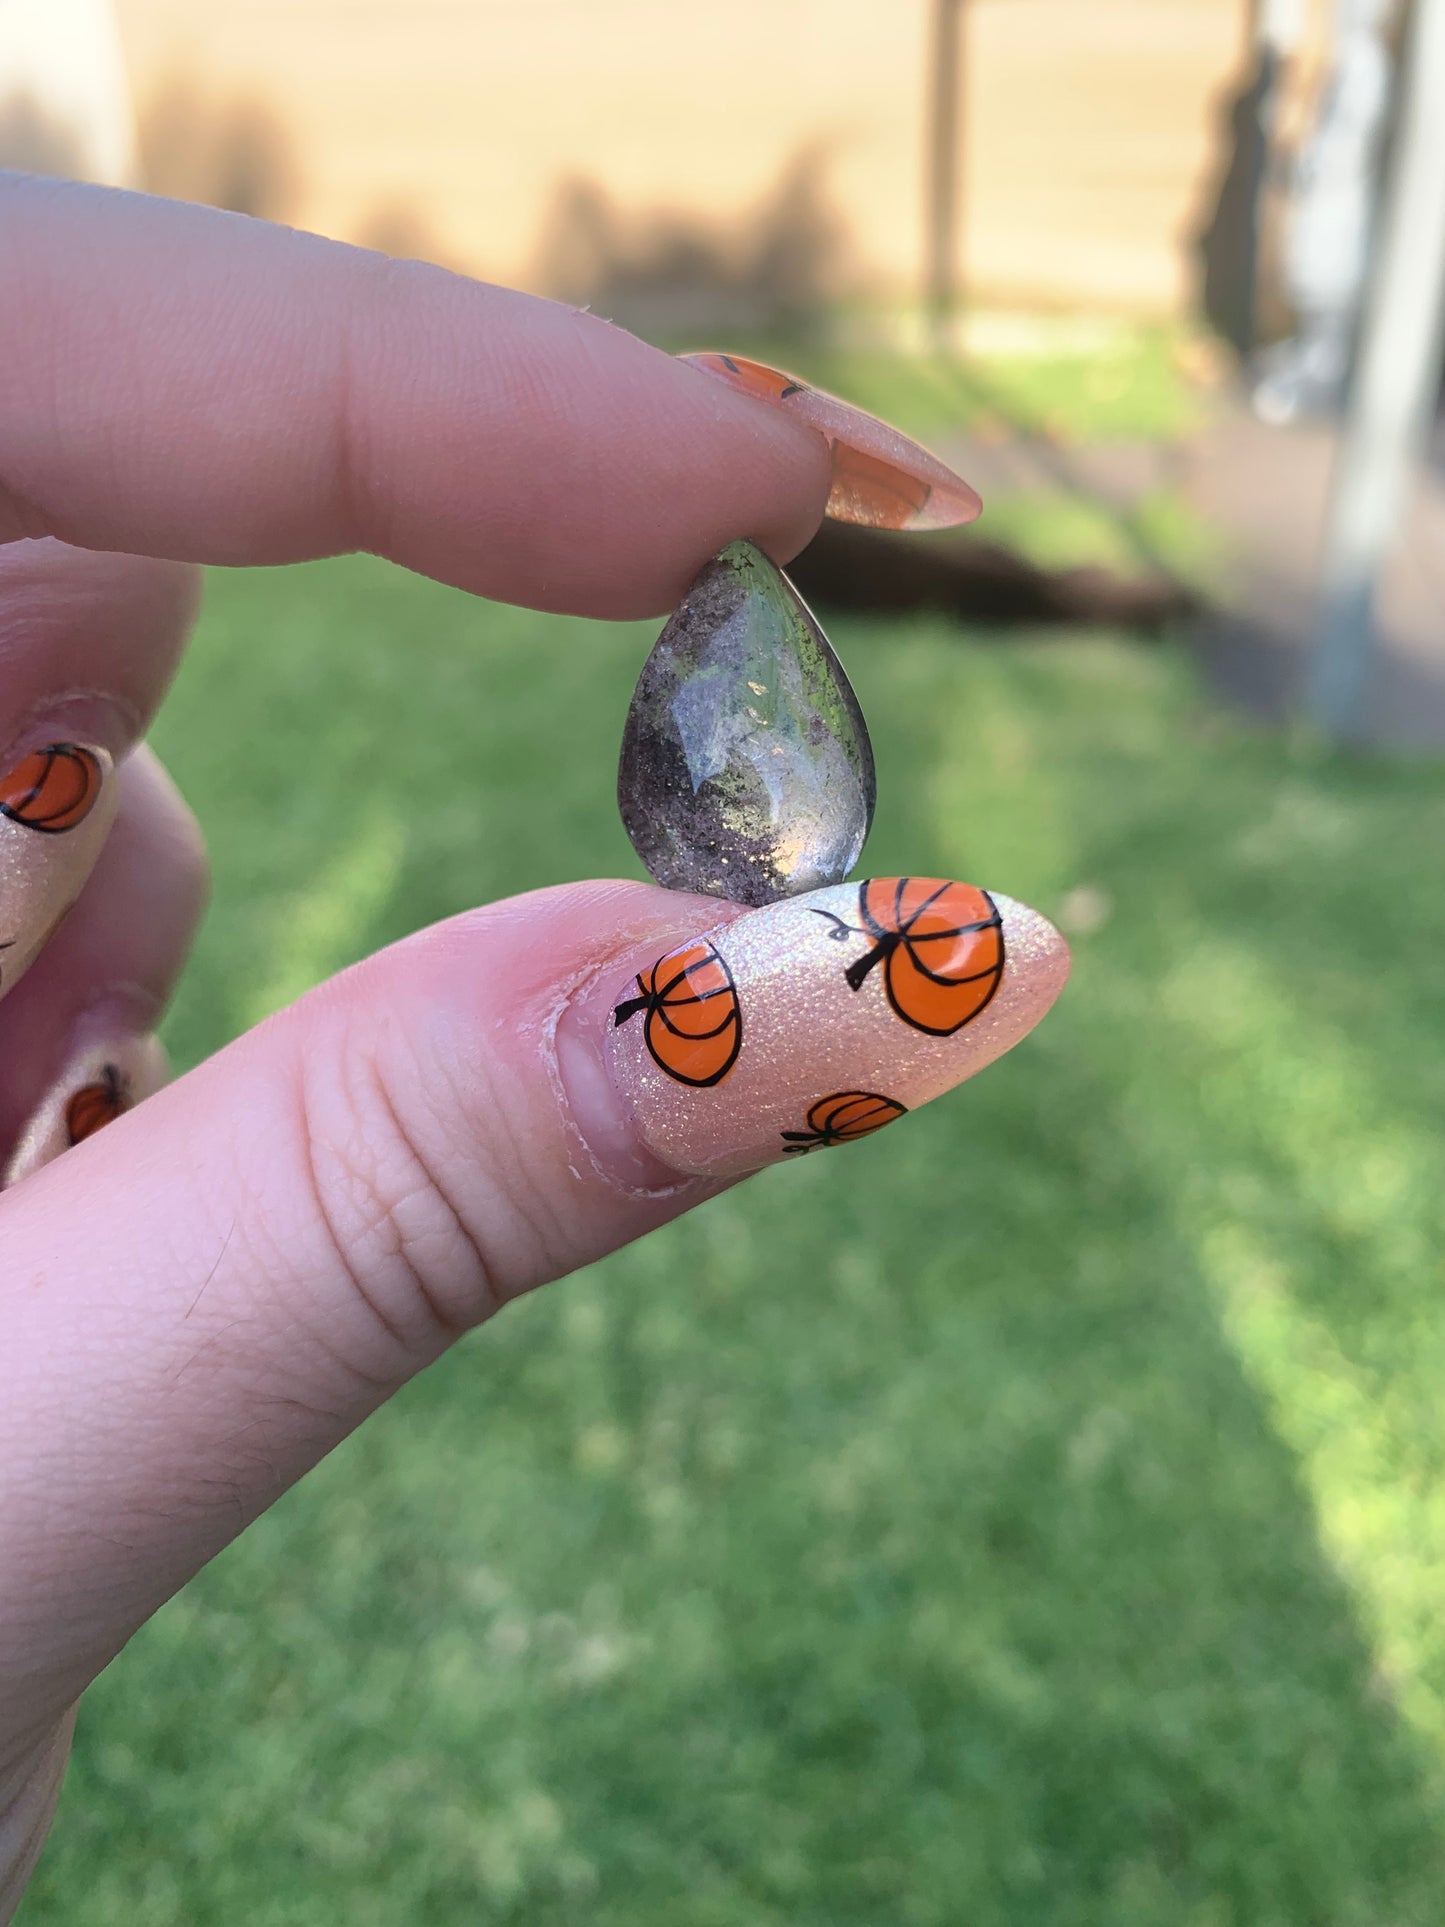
(881, 479)
(105, 1078)
(56, 808)
(818, 1020)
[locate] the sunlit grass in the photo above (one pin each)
(1036, 1515)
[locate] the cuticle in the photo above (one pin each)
(136, 1014)
(48, 710)
(577, 988)
(142, 1006)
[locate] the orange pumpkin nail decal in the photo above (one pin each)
(939, 979)
(940, 945)
(881, 478)
(57, 804)
(841, 1118)
(52, 789)
(693, 1026)
(107, 1076)
(95, 1105)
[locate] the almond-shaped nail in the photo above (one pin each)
(881, 479)
(56, 808)
(819, 1019)
(107, 1077)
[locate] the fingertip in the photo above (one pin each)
(291, 397)
(815, 1019)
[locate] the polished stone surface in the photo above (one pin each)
(746, 769)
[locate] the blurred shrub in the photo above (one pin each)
(235, 154)
(779, 268)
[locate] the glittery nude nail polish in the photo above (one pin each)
(819, 1019)
(881, 479)
(56, 808)
(106, 1077)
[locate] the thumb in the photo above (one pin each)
(200, 1301)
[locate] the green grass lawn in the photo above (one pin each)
(1032, 1518)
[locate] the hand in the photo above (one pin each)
(199, 1301)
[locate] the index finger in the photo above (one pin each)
(185, 383)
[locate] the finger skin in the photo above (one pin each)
(117, 955)
(88, 642)
(201, 1300)
(29, 1789)
(186, 383)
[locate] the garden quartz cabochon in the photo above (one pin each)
(746, 769)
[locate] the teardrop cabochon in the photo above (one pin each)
(746, 769)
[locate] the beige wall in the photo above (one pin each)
(1092, 135)
(1090, 123)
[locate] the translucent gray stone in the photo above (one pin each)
(746, 768)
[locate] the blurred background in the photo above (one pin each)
(1040, 1516)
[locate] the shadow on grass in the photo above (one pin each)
(941, 1534)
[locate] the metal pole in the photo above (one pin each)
(1395, 384)
(943, 166)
